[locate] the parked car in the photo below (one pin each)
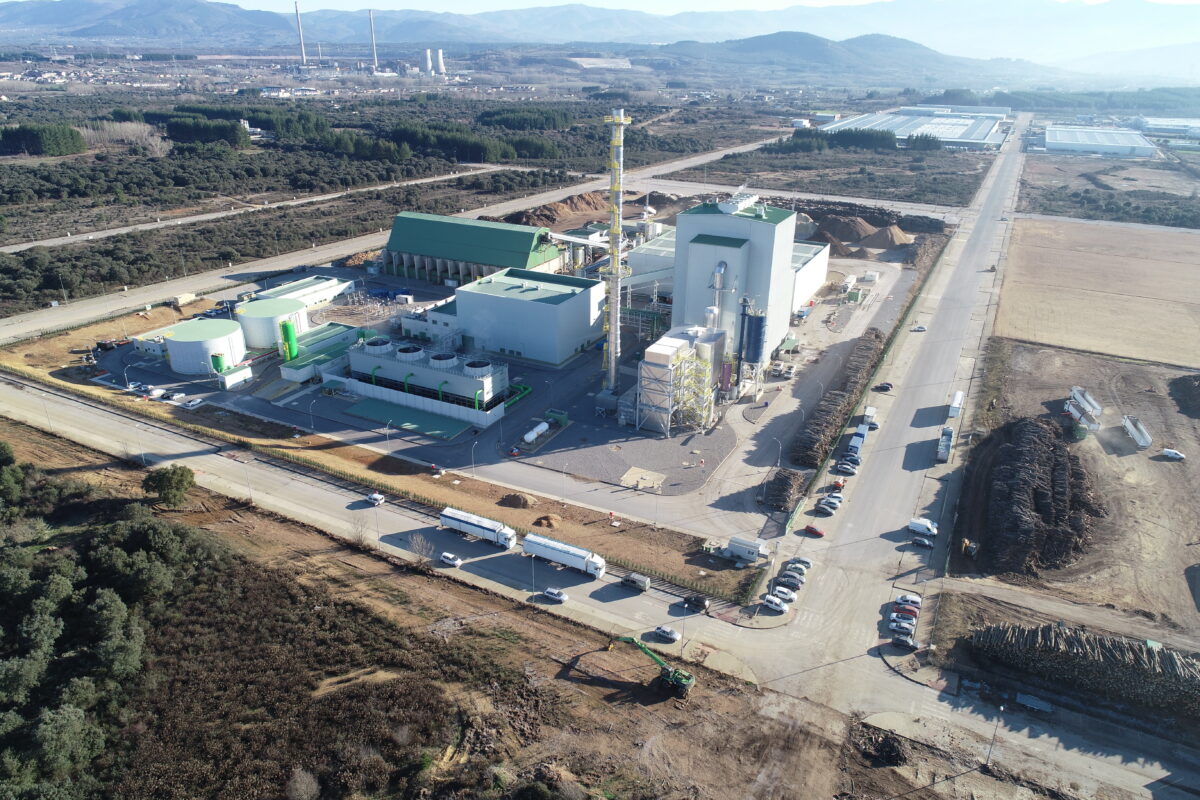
(376, 499)
(902, 618)
(813, 530)
(823, 510)
(912, 611)
(451, 559)
(845, 468)
(920, 329)
(557, 595)
(909, 600)
(872, 425)
(1174, 455)
(920, 542)
(774, 603)
(794, 575)
(883, 387)
(669, 634)
(851, 458)
(785, 594)
(176, 396)
(904, 642)
(777, 370)
(834, 504)
(901, 627)
(836, 497)
(790, 371)
(697, 601)
(798, 561)
(789, 582)
(195, 402)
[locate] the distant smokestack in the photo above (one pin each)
(300, 29)
(428, 61)
(374, 54)
(441, 64)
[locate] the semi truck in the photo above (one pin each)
(566, 554)
(480, 527)
(868, 418)
(856, 443)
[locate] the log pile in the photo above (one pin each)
(1040, 501)
(824, 425)
(783, 490)
(1118, 669)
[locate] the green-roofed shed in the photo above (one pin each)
(436, 248)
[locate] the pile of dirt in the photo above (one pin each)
(518, 500)
(551, 214)
(1118, 669)
(874, 215)
(887, 238)
(836, 248)
(1185, 390)
(926, 249)
(358, 259)
(1028, 501)
(784, 488)
(550, 521)
(860, 253)
(825, 423)
(847, 229)
(882, 748)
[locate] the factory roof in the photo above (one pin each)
(523, 284)
(719, 241)
(474, 241)
(315, 347)
(770, 214)
(270, 307)
(804, 252)
(296, 287)
(1056, 134)
(194, 330)
(951, 128)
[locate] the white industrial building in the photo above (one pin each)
(314, 291)
(444, 383)
(964, 127)
(516, 312)
(678, 378)
(262, 320)
(197, 346)
(1173, 127)
(1098, 141)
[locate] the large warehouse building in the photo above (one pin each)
(1098, 141)
(455, 250)
(1174, 127)
(980, 129)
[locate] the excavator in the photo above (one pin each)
(678, 681)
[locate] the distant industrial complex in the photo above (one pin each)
(965, 127)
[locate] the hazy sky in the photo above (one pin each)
(656, 6)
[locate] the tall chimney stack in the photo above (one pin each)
(441, 64)
(300, 29)
(428, 61)
(374, 53)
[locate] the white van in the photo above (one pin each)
(376, 499)
(923, 526)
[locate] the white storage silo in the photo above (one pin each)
(191, 345)
(260, 320)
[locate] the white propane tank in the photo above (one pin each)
(537, 431)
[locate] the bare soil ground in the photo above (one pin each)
(666, 551)
(1144, 557)
(1123, 175)
(1122, 291)
(620, 738)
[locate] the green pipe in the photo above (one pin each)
(406, 377)
(440, 385)
(373, 371)
(522, 390)
(477, 393)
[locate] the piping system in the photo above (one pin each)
(615, 269)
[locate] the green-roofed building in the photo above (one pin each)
(439, 249)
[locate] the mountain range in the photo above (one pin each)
(1048, 31)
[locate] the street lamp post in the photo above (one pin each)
(778, 461)
(249, 489)
(564, 484)
(387, 435)
(126, 374)
(995, 731)
(473, 457)
(549, 392)
(312, 425)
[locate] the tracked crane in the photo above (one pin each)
(678, 681)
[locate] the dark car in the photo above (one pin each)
(789, 581)
(697, 601)
(852, 458)
(883, 387)
(904, 642)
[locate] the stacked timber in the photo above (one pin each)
(1118, 669)
(783, 489)
(824, 425)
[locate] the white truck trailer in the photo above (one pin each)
(566, 554)
(481, 527)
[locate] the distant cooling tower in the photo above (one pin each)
(441, 64)
(428, 61)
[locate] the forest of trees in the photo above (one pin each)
(527, 119)
(1183, 101)
(41, 139)
(191, 130)
(922, 142)
(815, 140)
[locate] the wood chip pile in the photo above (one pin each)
(824, 425)
(1118, 669)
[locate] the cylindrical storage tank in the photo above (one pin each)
(379, 346)
(261, 319)
(755, 346)
(409, 352)
(537, 431)
(191, 345)
(291, 348)
(711, 315)
(477, 368)
(218, 362)
(443, 360)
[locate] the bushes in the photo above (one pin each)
(527, 119)
(188, 130)
(38, 139)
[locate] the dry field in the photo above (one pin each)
(1122, 175)
(1144, 557)
(1105, 289)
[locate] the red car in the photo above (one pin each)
(912, 611)
(814, 531)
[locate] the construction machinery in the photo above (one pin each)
(678, 681)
